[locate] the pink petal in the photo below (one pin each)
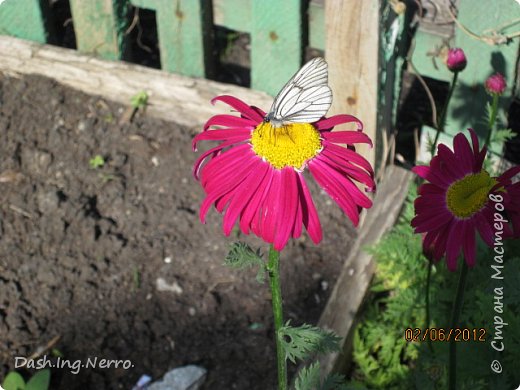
(454, 244)
(423, 224)
(297, 228)
(346, 155)
(256, 201)
(347, 137)
(439, 248)
(243, 195)
(213, 171)
(469, 245)
(485, 229)
(329, 123)
(221, 134)
(214, 151)
(342, 177)
(451, 165)
(464, 152)
(509, 174)
(229, 121)
(309, 213)
(271, 209)
(240, 106)
(288, 200)
(214, 196)
(338, 193)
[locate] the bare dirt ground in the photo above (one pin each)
(81, 249)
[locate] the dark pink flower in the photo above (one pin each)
(496, 84)
(455, 203)
(456, 60)
(255, 174)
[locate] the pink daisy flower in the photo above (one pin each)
(455, 204)
(255, 174)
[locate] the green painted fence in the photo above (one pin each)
(184, 29)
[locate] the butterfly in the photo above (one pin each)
(305, 98)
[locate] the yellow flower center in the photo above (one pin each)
(287, 145)
(468, 195)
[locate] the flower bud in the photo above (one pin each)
(496, 84)
(456, 60)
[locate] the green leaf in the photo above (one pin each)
(139, 100)
(13, 381)
(97, 161)
(502, 136)
(242, 256)
(56, 352)
(308, 378)
(40, 380)
(300, 342)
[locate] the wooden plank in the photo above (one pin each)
(346, 298)
(184, 31)
(98, 27)
(23, 19)
(236, 15)
(276, 43)
(352, 39)
(176, 98)
(233, 14)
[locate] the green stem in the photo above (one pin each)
(273, 268)
(492, 118)
(457, 308)
(427, 300)
(442, 117)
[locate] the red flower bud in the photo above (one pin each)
(456, 60)
(496, 84)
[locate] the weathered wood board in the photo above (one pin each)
(346, 298)
(352, 49)
(173, 97)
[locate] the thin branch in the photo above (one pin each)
(423, 83)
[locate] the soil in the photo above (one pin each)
(82, 249)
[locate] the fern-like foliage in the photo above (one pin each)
(302, 341)
(502, 135)
(383, 359)
(309, 379)
(241, 256)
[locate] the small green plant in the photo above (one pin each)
(39, 381)
(139, 100)
(96, 162)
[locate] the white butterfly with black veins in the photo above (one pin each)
(305, 98)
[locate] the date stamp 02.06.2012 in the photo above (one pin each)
(445, 334)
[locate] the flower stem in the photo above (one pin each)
(492, 119)
(273, 268)
(457, 308)
(427, 300)
(442, 117)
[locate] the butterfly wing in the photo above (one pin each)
(306, 97)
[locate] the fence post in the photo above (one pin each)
(184, 32)
(276, 43)
(23, 19)
(351, 47)
(99, 26)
